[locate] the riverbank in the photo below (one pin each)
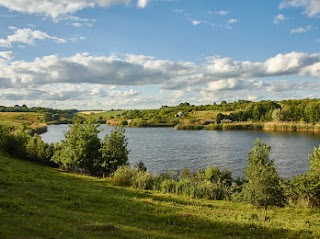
(268, 126)
(38, 128)
(75, 206)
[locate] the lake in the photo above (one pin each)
(166, 149)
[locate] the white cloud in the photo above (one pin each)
(232, 21)
(221, 12)
(196, 22)
(6, 55)
(57, 8)
(115, 79)
(27, 36)
(311, 7)
(178, 10)
(142, 3)
(144, 70)
(301, 29)
(279, 18)
(234, 84)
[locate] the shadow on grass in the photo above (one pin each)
(44, 202)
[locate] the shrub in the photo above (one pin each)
(123, 176)
(305, 189)
(168, 186)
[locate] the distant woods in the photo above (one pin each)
(211, 116)
(186, 116)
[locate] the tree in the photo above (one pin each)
(263, 186)
(220, 117)
(305, 188)
(114, 152)
(14, 140)
(80, 148)
(38, 150)
(314, 161)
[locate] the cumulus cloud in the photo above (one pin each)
(234, 84)
(6, 55)
(279, 18)
(137, 70)
(61, 8)
(311, 7)
(27, 36)
(115, 79)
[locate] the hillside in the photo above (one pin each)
(287, 115)
(42, 202)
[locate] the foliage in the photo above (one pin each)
(305, 188)
(123, 176)
(37, 150)
(114, 152)
(263, 186)
(80, 148)
(140, 166)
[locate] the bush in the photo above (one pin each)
(305, 189)
(123, 176)
(143, 180)
(168, 186)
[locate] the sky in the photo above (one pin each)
(134, 54)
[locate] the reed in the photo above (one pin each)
(291, 127)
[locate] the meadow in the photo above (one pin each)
(42, 202)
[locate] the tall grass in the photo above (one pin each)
(291, 127)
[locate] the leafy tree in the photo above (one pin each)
(114, 152)
(220, 117)
(305, 188)
(315, 161)
(263, 186)
(80, 148)
(13, 141)
(37, 150)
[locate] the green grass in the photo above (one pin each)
(103, 114)
(42, 202)
(17, 118)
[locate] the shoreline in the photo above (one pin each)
(267, 126)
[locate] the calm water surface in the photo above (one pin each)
(165, 149)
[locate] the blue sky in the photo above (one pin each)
(104, 54)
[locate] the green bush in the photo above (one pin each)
(143, 180)
(168, 186)
(123, 176)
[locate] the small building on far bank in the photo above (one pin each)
(180, 114)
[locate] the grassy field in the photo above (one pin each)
(103, 114)
(30, 119)
(18, 118)
(42, 202)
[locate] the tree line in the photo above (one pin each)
(307, 110)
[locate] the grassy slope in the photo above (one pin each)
(17, 118)
(41, 202)
(98, 114)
